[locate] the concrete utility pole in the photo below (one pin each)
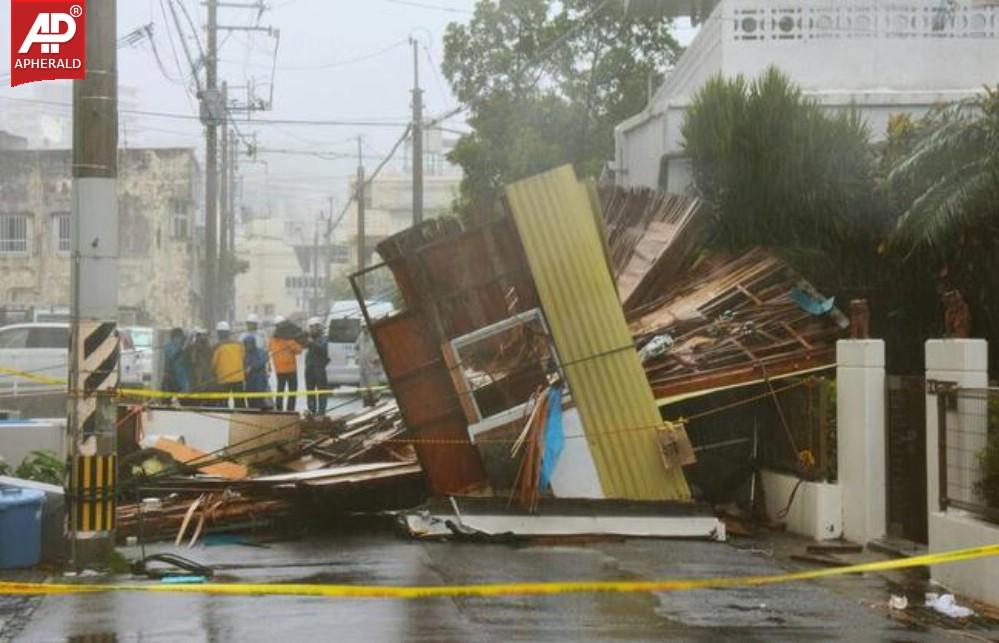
(417, 137)
(231, 215)
(328, 242)
(94, 350)
(315, 267)
(210, 115)
(362, 260)
(224, 223)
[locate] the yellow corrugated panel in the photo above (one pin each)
(555, 219)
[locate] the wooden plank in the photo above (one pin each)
(184, 454)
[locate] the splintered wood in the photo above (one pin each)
(704, 321)
(651, 236)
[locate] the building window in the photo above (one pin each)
(180, 219)
(60, 230)
(301, 283)
(339, 253)
(14, 233)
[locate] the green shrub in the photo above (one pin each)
(42, 466)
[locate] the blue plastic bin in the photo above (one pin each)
(20, 527)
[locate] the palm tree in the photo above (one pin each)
(948, 181)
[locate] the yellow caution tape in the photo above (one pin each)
(216, 395)
(497, 589)
(207, 395)
(33, 377)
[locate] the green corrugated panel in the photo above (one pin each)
(555, 218)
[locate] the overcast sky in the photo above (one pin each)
(337, 60)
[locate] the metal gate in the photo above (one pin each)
(906, 454)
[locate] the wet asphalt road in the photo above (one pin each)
(794, 612)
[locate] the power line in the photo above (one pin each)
(331, 64)
(435, 7)
(188, 117)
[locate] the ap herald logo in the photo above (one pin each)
(47, 40)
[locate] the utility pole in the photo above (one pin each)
(224, 221)
(315, 267)
(210, 115)
(329, 256)
(94, 349)
(361, 242)
(231, 208)
(417, 137)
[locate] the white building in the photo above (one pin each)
(389, 197)
(884, 56)
(280, 279)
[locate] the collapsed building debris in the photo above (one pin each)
(705, 320)
(495, 313)
(261, 471)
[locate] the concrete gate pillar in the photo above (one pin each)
(860, 437)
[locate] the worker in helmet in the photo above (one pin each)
(286, 344)
(253, 330)
(317, 356)
(227, 361)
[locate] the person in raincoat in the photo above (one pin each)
(316, 358)
(255, 367)
(199, 355)
(177, 368)
(228, 366)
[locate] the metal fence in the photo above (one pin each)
(968, 426)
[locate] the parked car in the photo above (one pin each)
(136, 355)
(42, 349)
(344, 327)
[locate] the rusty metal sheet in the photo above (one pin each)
(554, 216)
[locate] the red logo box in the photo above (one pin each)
(47, 40)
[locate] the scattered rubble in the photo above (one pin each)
(191, 491)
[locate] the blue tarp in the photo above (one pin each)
(810, 304)
(554, 436)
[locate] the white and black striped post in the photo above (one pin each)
(94, 350)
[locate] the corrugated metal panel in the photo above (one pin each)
(554, 216)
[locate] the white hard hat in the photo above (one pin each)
(315, 321)
(222, 325)
(252, 318)
(279, 319)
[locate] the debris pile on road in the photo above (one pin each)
(227, 484)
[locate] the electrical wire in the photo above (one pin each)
(188, 117)
(343, 62)
(424, 5)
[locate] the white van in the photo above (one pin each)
(343, 327)
(42, 349)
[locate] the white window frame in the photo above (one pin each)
(60, 244)
(180, 220)
(521, 319)
(13, 246)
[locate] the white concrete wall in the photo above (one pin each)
(863, 44)
(860, 437)
(882, 56)
(977, 579)
(965, 362)
(817, 509)
(19, 438)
